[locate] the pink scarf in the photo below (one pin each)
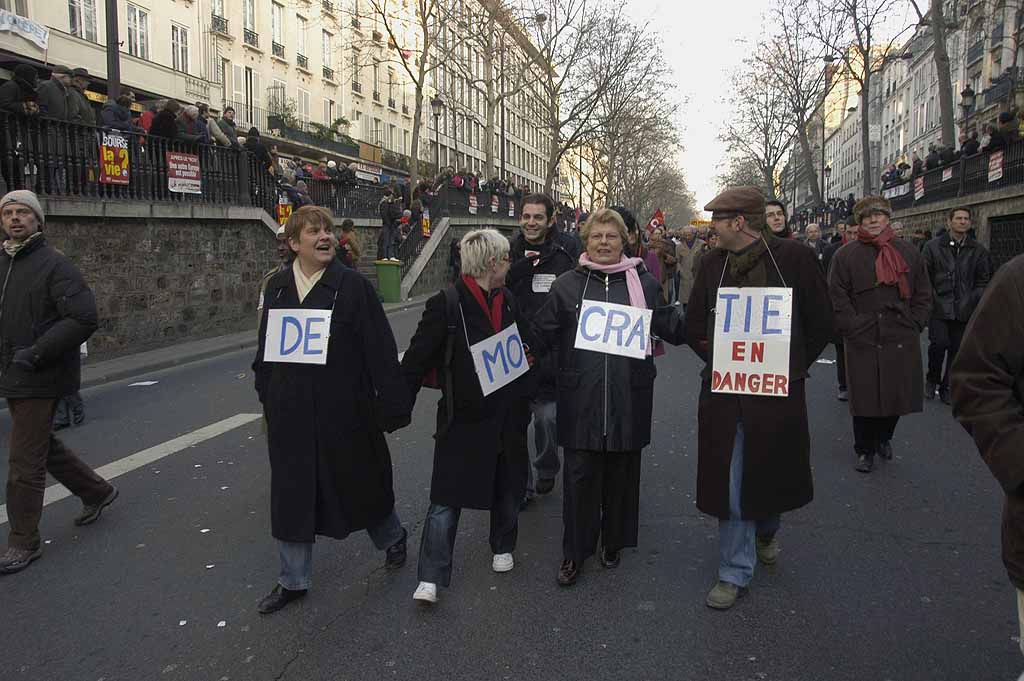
(627, 265)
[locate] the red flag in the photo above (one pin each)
(657, 221)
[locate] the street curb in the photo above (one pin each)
(229, 346)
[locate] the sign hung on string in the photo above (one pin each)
(613, 329)
(113, 158)
(494, 203)
(183, 173)
(297, 336)
(995, 166)
(472, 204)
(753, 332)
(499, 360)
(918, 188)
(947, 174)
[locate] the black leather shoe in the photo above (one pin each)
(396, 553)
(944, 396)
(567, 573)
(545, 486)
(610, 559)
(865, 463)
(278, 598)
(929, 390)
(885, 451)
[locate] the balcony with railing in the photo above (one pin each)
(302, 61)
(405, 109)
(997, 34)
(355, 22)
(376, 96)
(391, 103)
(219, 24)
(252, 38)
(328, 73)
(328, 6)
(975, 52)
(277, 49)
(357, 88)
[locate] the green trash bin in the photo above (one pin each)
(389, 280)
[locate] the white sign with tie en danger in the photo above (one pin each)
(753, 331)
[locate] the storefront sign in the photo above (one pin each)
(297, 336)
(113, 158)
(995, 166)
(753, 330)
(183, 173)
(499, 360)
(613, 329)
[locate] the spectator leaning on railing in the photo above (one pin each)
(165, 123)
(18, 95)
(227, 126)
(54, 96)
(79, 110)
(117, 114)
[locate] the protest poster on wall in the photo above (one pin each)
(113, 158)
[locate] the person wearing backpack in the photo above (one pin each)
(480, 453)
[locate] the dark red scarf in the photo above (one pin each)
(494, 314)
(890, 267)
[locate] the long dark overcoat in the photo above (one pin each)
(881, 331)
(330, 465)
(776, 455)
(487, 432)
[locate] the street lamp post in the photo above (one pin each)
(967, 98)
(437, 108)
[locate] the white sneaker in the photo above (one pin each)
(503, 562)
(426, 592)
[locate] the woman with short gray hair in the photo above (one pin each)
(480, 454)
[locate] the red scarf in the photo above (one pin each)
(890, 267)
(494, 314)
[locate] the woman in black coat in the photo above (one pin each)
(480, 455)
(330, 464)
(604, 400)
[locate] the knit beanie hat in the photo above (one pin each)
(25, 198)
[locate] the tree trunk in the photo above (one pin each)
(805, 150)
(554, 155)
(947, 113)
(769, 182)
(417, 124)
(491, 102)
(865, 133)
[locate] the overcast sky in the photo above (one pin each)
(700, 43)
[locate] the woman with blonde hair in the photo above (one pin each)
(326, 419)
(604, 400)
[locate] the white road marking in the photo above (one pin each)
(55, 493)
(143, 384)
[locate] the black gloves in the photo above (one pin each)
(26, 359)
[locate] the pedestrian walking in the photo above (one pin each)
(46, 312)
(285, 255)
(688, 252)
(959, 269)
(753, 457)
(987, 376)
(329, 461)
(480, 450)
(604, 400)
(539, 254)
(777, 219)
(842, 390)
(882, 299)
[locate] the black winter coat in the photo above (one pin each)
(255, 146)
(54, 100)
(116, 117)
(466, 452)
(45, 305)
(13, 95)
(958, 276)
(529, 279)
(330, 465)
(165, 125)
(604, 401)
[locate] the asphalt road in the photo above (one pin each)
(892, 576)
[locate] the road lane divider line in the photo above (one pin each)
(114, 469)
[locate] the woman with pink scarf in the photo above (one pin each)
(604, 400)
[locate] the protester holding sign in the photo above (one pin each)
(539, 254)
(600, 318)
(882, 297)
(480, 453)
(327, 374)
(759, 315)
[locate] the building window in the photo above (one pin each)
(303, 105)
(249, 14)
(301, 46)
(138, 32)
(179, 48)
(326, 49)
(277, 23)
(328, 111)
(82, 18)
(16, 6)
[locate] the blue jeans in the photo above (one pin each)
(437, 545)
(297, 557)
(544, 464)
(736, 537)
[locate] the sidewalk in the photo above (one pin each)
(127, 366)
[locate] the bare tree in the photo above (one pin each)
(864, 50)
(936, 19)
(760, 130)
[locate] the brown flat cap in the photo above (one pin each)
(737, 201)
(80, 72)
(60, 68)
(870, 204)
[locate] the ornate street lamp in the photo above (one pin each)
(437, 108)
(967, 98)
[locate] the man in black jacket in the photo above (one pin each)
(539, 254)
(46, 312)
(959, 269)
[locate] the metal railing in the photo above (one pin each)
(328, 6)
(277, 49)
(391, 102)
(975, 52)
(219, 24)
(376, 96)
(357, 87)
(302, 61)
(966, 176)
(328, 73)
(251, 38)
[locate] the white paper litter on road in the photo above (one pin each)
(204, 530)
(222, 624)
(55, 493)
(182, 623)
(210, 566)
(223, 488)
(826, 361)
(142, 384)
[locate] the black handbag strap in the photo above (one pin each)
(451, 313)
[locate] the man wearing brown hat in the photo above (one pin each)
(79, 110)
(882, 298)
(54, 95)
(48, 312)
(754, 448)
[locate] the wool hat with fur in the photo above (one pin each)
(868, 205)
